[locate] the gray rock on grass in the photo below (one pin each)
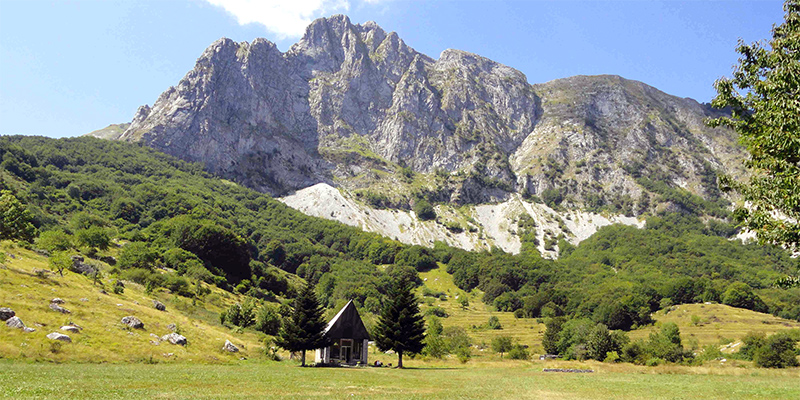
(6, 313)
(174, 338)
(15, 322)
(57, 300)
(230, 347)
(70, 328)
(133, 322)
(159, 305)
(60, 337)
(58, 308)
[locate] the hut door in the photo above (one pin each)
(347, 350)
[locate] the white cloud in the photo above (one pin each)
(286, 18)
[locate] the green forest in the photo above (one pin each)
(181, 225)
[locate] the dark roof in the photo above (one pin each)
(347, 324)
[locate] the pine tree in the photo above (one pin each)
(400, 326)
(304, 330)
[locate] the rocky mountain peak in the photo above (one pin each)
(352, 105)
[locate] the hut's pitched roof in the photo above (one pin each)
(347, 324)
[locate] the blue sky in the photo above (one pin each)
(70, 67)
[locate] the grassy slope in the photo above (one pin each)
(525, 330)
(104, 338)
(717, 321)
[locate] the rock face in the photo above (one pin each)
(230, 347)
(174, 338)
(133, 322)
(6, 313)
(15, 322)
(60, 337)
(348, 100)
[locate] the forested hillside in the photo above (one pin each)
(85, 194)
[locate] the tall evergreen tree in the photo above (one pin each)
(305, 328)
(400, 326)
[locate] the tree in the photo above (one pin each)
(400, 326)
(304, 330)
(778, 351)
(763, 98)
(15, 219)
(501, 344)
(552, 334)
(60, 261)
(424, 210)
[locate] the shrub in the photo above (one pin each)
(267, 320)
(54, 241)
(518, 352)
(612, 357)
(137, 255)
(424, 210)
(751, 343)
(494, 323)
(436, 311)
(778, 351)
(740, 294)
(94, 236)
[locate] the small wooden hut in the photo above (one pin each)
(348, 337)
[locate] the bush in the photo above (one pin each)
(240, 315)
(612, 357)
(137, 255)
(519, 352)
(740, 294)
(424, 210)
(267, 320)
(54, 241)
(436, 311)
(15, 219)
(778, 351)
(494, 323)
(94, 236)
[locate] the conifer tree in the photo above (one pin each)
(400, 326)
(304, 330)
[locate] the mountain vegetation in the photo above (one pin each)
(86, 193)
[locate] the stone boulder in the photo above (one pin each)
(159, 305)
(82, 268)
(70, 328)
(6, 313)
(28, 330)
(15, 322)
(59, 336)
(133, 322)
(172, 327)
(56, 307)
(174, 338)
(58, 300)
(230, 347)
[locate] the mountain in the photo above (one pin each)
(354, 107)
(111, 132)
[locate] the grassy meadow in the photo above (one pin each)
(423, 380)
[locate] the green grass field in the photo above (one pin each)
(272, 380)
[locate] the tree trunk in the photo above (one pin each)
(304, 358)
(399, 359)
